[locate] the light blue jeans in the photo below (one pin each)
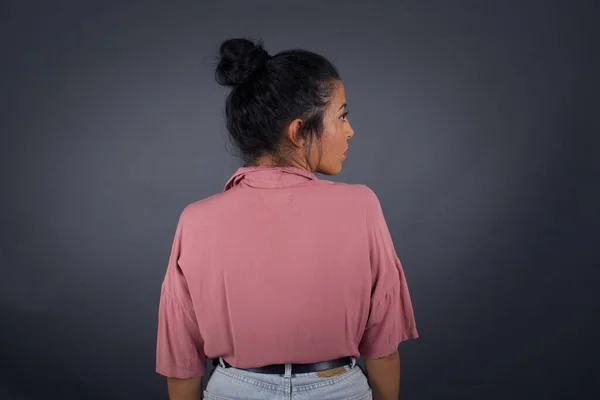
(237, 384)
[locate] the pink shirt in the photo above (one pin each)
(281, 267)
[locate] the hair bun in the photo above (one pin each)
(239, 58)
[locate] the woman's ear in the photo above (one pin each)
(293, 133)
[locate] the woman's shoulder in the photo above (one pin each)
(356, 191)
(202, 206)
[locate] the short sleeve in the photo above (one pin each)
(180, 348)
(391, 317)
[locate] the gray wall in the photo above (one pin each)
(473, 124)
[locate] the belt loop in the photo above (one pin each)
(221, 362)
(288, 371)
(353, 362)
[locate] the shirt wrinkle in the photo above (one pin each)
(175, 301)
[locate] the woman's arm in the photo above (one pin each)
(391, 318)
(384, 376)
(185, 389)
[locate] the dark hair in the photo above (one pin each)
(270, 92)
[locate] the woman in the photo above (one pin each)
(284, 279)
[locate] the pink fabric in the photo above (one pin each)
(281, 267)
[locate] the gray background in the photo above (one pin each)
(474, 124)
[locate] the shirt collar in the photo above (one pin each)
(270, 177)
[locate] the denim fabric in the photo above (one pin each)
(237, 384)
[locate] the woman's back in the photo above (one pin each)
(280, 267)
(283, 274)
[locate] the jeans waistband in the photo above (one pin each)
(293, 368)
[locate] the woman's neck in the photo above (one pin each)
(270, 161)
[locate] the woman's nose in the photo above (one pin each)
(350, 132)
